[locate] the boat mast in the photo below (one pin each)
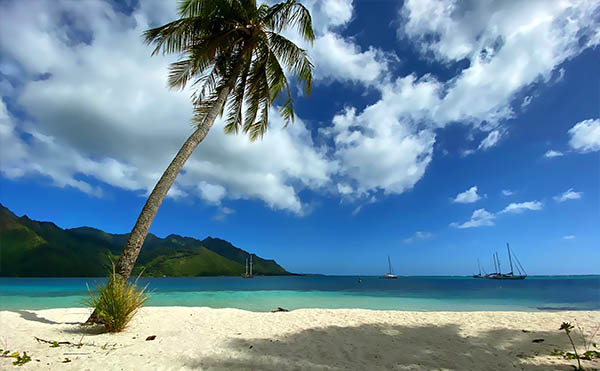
(495, 265)
(479, 266)
(250, 264)
(389, 265)
(499, 269)
(246, 266)
(509, 258)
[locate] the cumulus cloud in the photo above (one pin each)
(552, 153)
(569, 194)
(480, 218)
(85, 95)
(508, 192)
(341, 59)
(585, 136)
(509, 46)
(519, 207)
(378, 151)
(337, 57)
(468, 196)
(385, 146)
(419, 235)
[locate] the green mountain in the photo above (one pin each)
(30, 248)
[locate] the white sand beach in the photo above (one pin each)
(308, 339)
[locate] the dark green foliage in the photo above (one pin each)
(117, 302)
(239, 41)
(41, 249)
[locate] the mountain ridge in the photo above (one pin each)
(30, 248)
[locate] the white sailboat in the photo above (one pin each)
(390, 274)
(248, 273)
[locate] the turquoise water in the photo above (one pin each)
(293, 292)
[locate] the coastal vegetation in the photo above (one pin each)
(588, 342)
(42, 249)
(20, 360)
(117, 302)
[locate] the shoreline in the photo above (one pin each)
(202, 338)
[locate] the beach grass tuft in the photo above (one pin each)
(117, 302)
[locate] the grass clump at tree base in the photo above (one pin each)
(117, 302)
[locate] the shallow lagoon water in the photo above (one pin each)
(293, 292)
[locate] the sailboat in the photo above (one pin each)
(249, 273)
(478, 275)
(498, 275)
(390, 274)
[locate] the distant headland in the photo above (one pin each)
(32, 248)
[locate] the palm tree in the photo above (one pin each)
(234, 53)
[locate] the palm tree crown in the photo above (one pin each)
(236, 44)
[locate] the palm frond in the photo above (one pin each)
(236, 58)
(235, 117)
(290, 14)
(293, 57)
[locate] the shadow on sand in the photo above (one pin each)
(32, 316)
(78, 329)
(380, 347)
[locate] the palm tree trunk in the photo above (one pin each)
(140, 230)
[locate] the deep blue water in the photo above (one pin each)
(292, 292)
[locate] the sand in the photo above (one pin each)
(306, 339)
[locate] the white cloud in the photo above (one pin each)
(385, 146)
(552, 153)
(419, 235)
(87, 96)
(508, 192)
(519, 207)
(341, 59)
(344, 189)
(569, 237)
(377, 150)
(480, 218)
(561, 74)
(336, 57)
(569, 194)
(526, 101)
(509, 45)
(212, 193)
(491, 140)
(585, 136)
(468, 196)
(222, 213)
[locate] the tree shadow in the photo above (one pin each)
(387, 347)
(32, 316)
(81, 329)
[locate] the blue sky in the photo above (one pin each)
(436, 132)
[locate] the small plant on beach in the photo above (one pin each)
(117, 302)
(588, 343)
(567, 327)
(20, 360)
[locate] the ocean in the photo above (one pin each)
(537, 293)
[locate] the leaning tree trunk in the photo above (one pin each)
(140, 230)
